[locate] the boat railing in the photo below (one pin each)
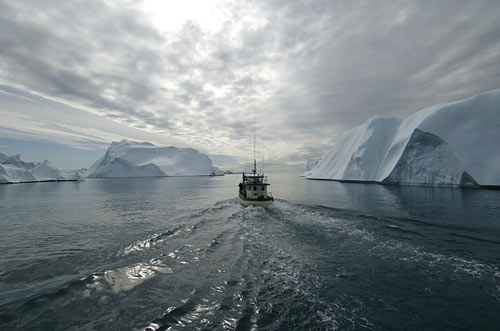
(256, 179)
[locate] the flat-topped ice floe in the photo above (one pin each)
(447, 144)
(14, 170)
(143, 159)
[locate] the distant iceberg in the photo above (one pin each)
(14, 170)
(447, 144)
(217, 172)
(143, 159)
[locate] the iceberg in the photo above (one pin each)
(143, 159)
(14, 170)
(446, 144)
(47, 171)
(311, 164)
(217, 172)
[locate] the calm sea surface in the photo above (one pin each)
(181, 253)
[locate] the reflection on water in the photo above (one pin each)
(443, 205)
(126, 278)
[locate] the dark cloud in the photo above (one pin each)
(310, 70)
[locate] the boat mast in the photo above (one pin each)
(262, 160)
(254, 160)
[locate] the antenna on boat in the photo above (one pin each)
(262, 159)
(254, 160)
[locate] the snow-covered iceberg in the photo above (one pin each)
(14, 170)
(446, 144)
(143, 159)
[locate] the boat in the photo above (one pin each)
(253, 190)
(253, 187)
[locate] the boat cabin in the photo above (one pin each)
(253, 189)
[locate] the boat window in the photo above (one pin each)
(262, 188)
(255, 188)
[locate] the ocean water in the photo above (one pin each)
(181, 253)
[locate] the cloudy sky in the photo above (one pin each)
(78, 74)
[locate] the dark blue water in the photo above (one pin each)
(181, 253)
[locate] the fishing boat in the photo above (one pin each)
(253, 187)
(253, 190)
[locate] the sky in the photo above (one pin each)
(76, 75)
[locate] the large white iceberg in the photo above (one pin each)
(143, 159)
(14, 170)
(446, 144)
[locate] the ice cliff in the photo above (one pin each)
(14, 170)
(311, 164)
(446, 144)
(143, 159)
